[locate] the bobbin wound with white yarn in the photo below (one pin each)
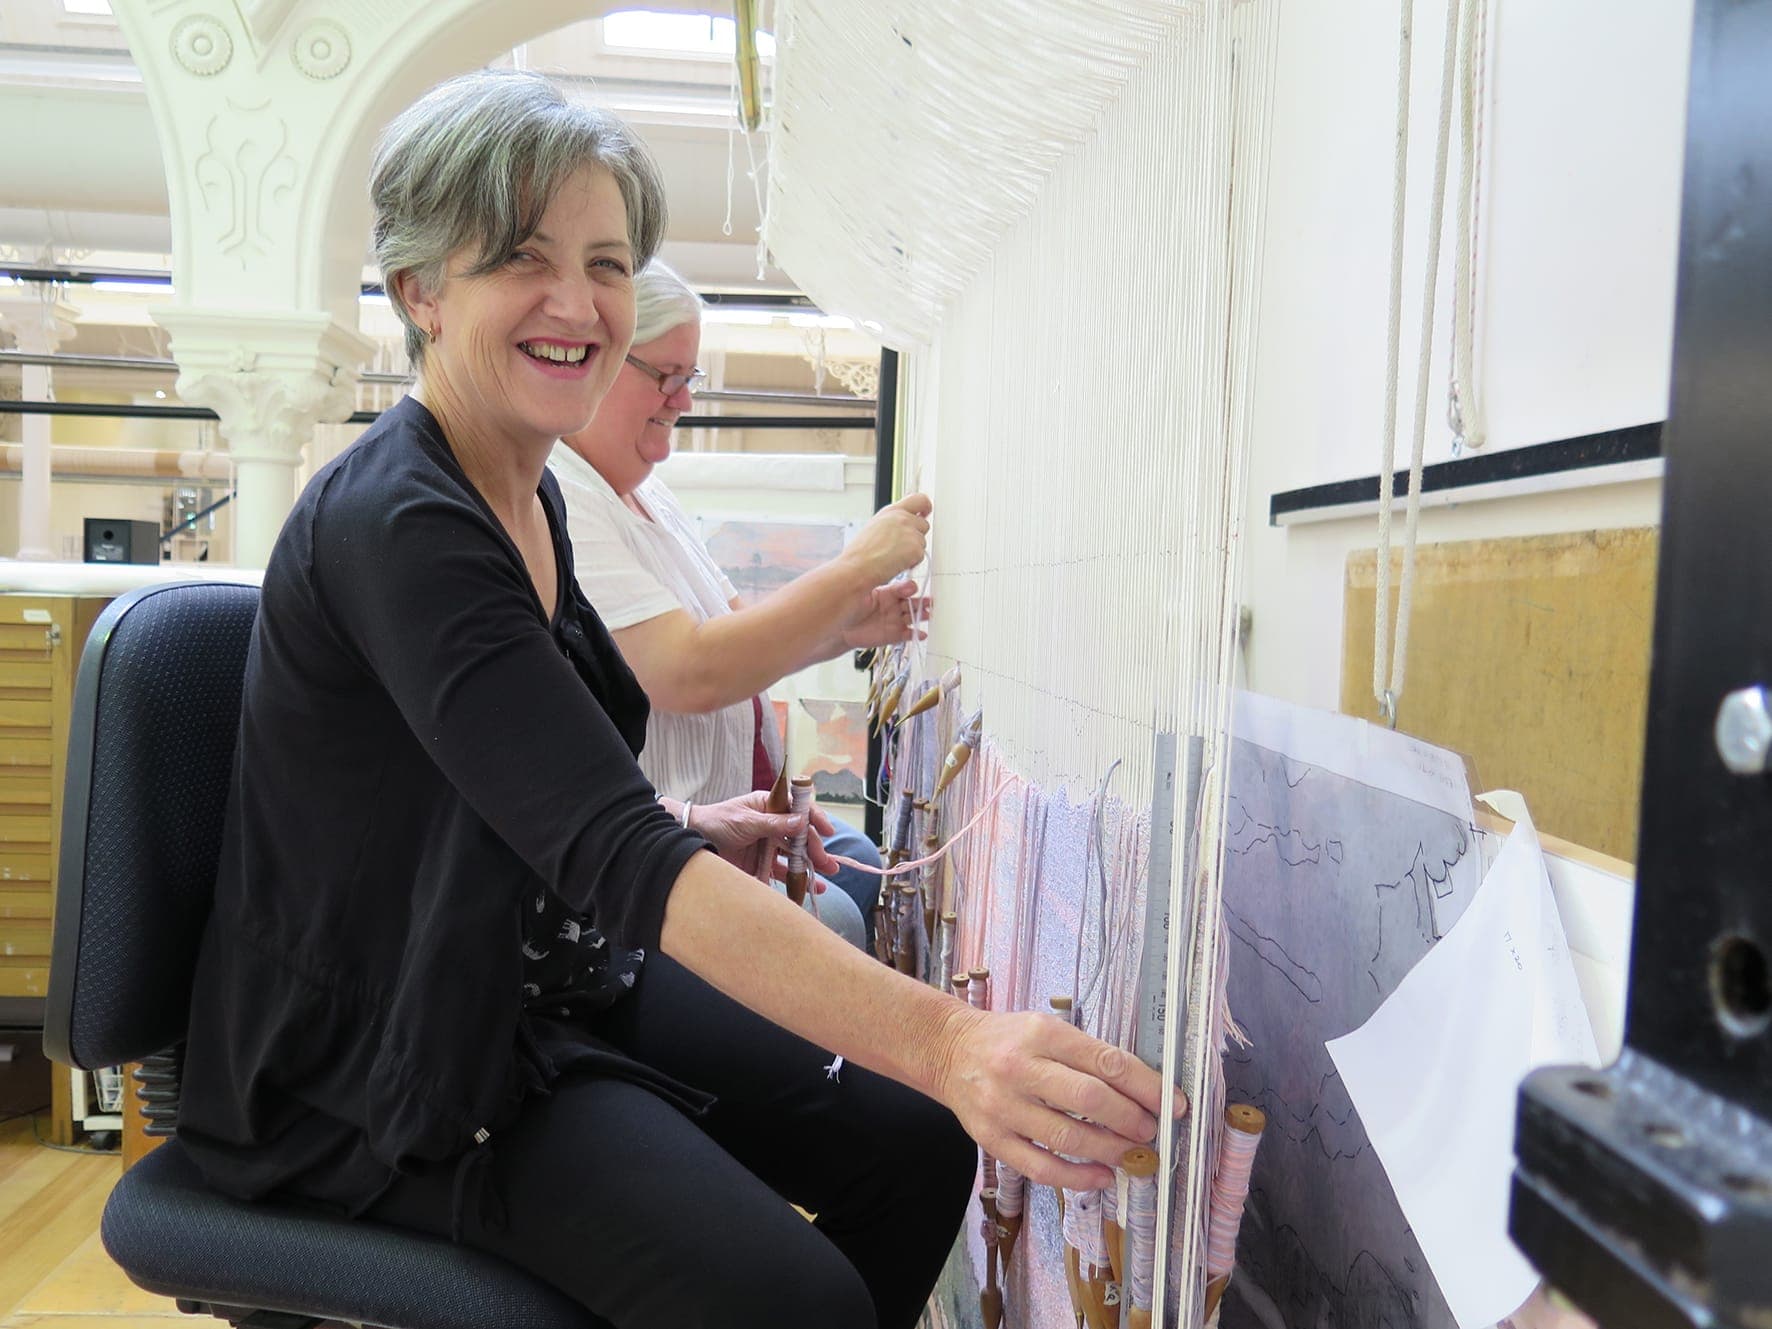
(1139, 1218)
(799, 804)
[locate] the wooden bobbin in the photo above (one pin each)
(1214, 1291)
(1251, 1120)
(1073, 1278)
(1139, 1162)
(926, 702)
(882, 932)
(1010, 1226)
(1103, 1309)
(889, 702)
(990, 1305)
(993, 1230)
(990, 1297)
(956, 760)
(780, 800)
(1245, 1117)
(1136, 1162)
(908, 916)
(941, 965)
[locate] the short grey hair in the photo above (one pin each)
(662, 301)
(474, 163)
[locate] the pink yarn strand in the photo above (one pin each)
(899, 869)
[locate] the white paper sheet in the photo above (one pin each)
(1595, 905)
(1369, 753)
(1435, 1072)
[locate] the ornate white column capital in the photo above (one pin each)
(270, 377)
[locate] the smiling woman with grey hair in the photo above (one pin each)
(463, 972)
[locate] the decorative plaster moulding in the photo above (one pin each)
(247, 341)
(38, 326)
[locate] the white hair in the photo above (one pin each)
(662, 301)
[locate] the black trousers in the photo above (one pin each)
(654, 1220)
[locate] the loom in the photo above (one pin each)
(980, 235)
(1066, 250)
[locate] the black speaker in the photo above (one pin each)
(111, 541)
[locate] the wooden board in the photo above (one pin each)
(1529, 655)
(49, 1207)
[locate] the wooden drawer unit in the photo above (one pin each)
(40, 641)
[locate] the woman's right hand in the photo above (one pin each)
(1030, 1087)
(894, 539)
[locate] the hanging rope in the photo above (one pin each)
(1383, 651)
(1463, 401)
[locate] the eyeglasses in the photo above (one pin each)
(671, 384)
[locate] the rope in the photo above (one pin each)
(1393, 342)
(1388, 697)
(731, 133)
(1463, 407)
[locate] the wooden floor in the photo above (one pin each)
(54, 1274)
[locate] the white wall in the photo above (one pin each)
(1586, 126)
(1584, 130)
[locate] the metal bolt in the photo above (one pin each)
(1744, 731)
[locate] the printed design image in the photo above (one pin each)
(841, 756)
(764, 556)
(1332, 891)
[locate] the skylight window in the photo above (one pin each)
(101, 7)
(653, 33)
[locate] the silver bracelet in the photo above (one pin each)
(686, 806)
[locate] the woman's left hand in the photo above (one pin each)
(893, 613)
(740, 828)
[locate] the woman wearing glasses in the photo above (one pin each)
(705, 658)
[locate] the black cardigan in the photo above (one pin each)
(419, 748)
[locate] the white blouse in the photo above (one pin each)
(632, 570)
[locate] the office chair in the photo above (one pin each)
(150, 754)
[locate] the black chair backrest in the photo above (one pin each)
(156, 715)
